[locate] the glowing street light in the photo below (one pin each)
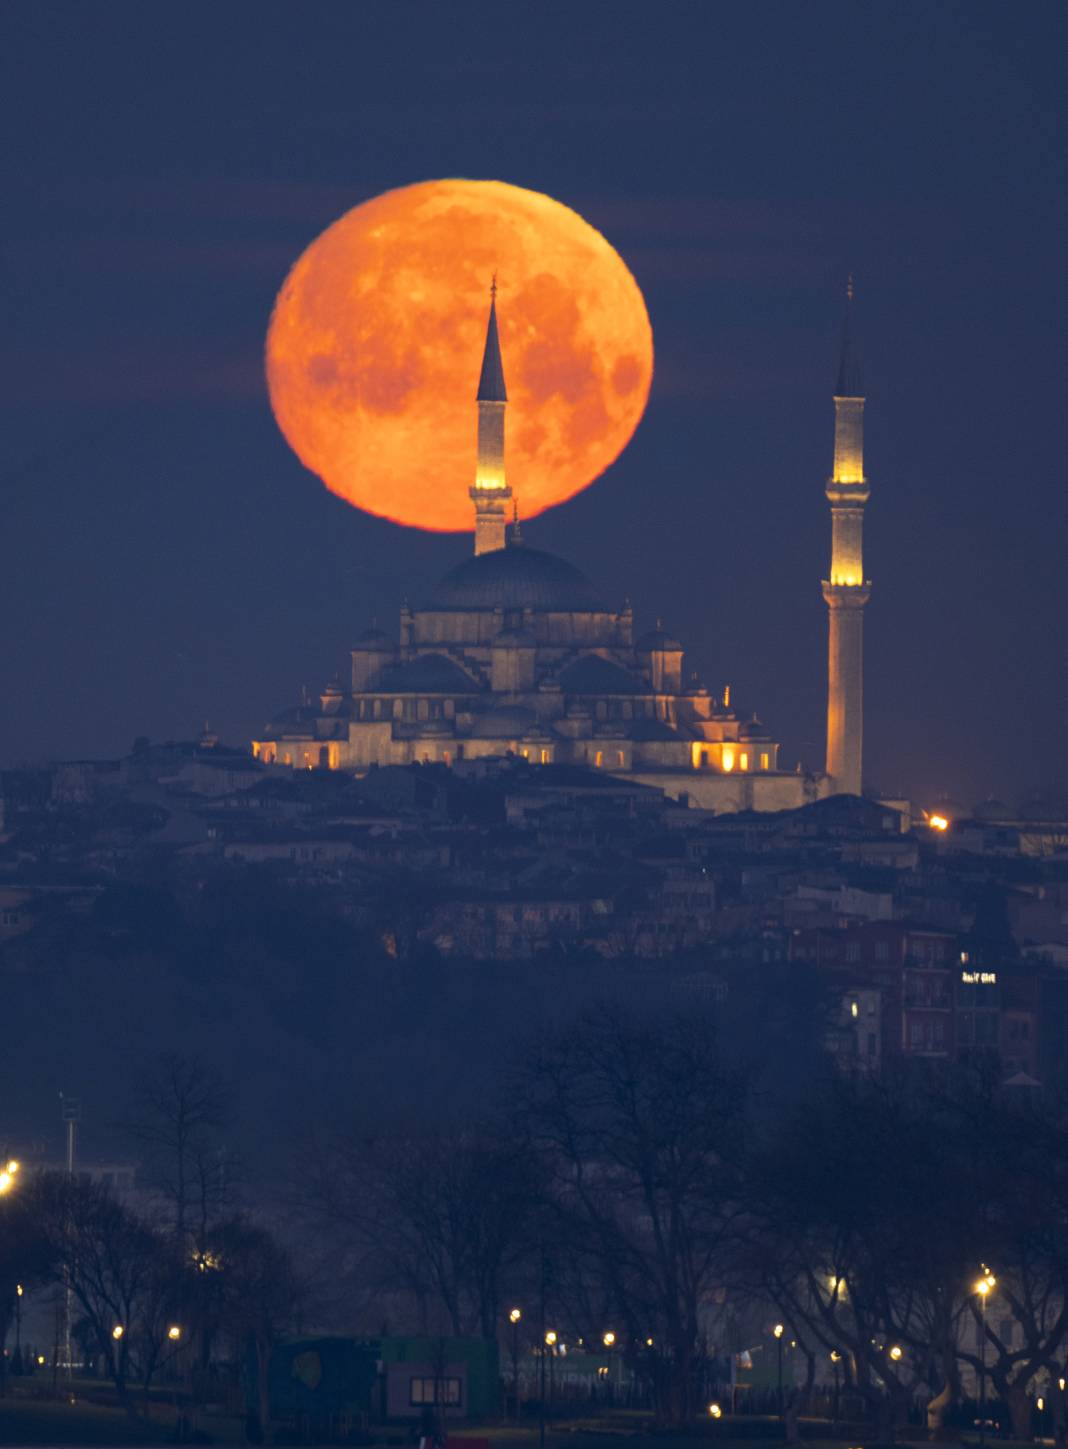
(513, 1318)
(174, 1333)
(778, 1331)
(608, 1338)
(8, 1176)
(550, 1337)
(895, 1352)
(715, 1411)
(117, 1332)
(982, 1289)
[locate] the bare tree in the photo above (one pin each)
(181, 1110)
(118, 1272)
(444, 1215)
(640, 1129)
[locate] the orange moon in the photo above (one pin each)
(375, 347)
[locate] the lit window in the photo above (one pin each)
(765, 760)
(621, 758)
(598, 759)
(434, 1391)
(743, 760)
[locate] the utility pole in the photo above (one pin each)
(70, 1111)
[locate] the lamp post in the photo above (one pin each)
(18, 1320)
(513, 1318)
(983, 1287)
(608, 1338)
(778, 1331)
(836, 1359)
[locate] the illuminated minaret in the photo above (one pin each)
(490, 492)
(847, 590)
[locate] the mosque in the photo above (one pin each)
(515, 652)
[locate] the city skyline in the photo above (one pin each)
(189, 559)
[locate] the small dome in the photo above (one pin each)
(298, 719)
(593, 674)
(334, 688)
(658, 639)
(504, 724)
(374, 640)
(514, 639)
(517, 578)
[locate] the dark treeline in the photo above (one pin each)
(175, 1281)
(634, 1176)
(632, 1172)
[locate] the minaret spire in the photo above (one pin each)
(490, 492)
(847, 591)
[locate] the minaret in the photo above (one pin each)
(847, 590)
(490, 492)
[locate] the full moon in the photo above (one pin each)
(375, 346)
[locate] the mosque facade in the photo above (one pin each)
(516, 653)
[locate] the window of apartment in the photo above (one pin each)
(882, 950)
(433, 1391)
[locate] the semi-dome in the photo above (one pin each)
(425, 674)
(374, 640)
(517, 578)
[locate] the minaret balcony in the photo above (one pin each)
(846, 596)
(855, 493)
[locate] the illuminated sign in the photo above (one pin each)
(979, 978)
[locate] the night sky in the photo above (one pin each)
(166, 557)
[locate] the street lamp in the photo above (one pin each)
(550, 1346)
(982, 1288)
(174, 1333)
(513, 1318)
(778, 1331)
(8, 1176)
(608, 1338)
(715, 1411)
(117, 1332)
(836, 1359)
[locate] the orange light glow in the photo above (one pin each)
(374, 349)
(727, 758)
(938, 822)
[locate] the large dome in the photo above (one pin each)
(517, 578)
